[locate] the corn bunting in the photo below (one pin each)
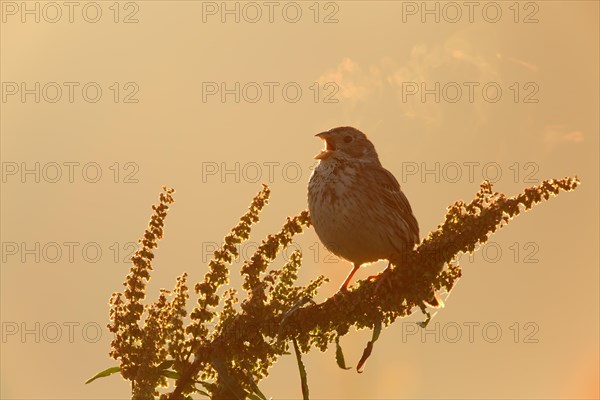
(356, 206)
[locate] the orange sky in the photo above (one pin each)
(125, 107)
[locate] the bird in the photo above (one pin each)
(356, 206)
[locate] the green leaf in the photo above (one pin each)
(257, 395)
(202, 392)
(170, 373)
(105, 373)
(207, 385)
(367, 351)
(339, 354)
(376, 331)
(424, 324)
(166, 364)
(292, 310)
(303, 378)
(363, 359)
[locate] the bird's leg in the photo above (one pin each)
(375, 277)
(344, 286)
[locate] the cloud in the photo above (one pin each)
(353, 83)
(425, 63)
(524, 64)
(386, 81)
(556, 135)
(379, 87)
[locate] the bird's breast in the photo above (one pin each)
(330, 182)
(333, 195)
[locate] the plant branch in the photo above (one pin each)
(398, 292)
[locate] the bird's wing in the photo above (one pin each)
(395, 199)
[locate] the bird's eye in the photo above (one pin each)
(347, 139)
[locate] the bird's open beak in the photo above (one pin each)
(329, 146)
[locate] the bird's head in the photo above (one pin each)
(346, 143)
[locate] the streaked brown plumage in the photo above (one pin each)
(356, 206)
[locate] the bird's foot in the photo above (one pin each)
(375, 277)
(343, 289)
